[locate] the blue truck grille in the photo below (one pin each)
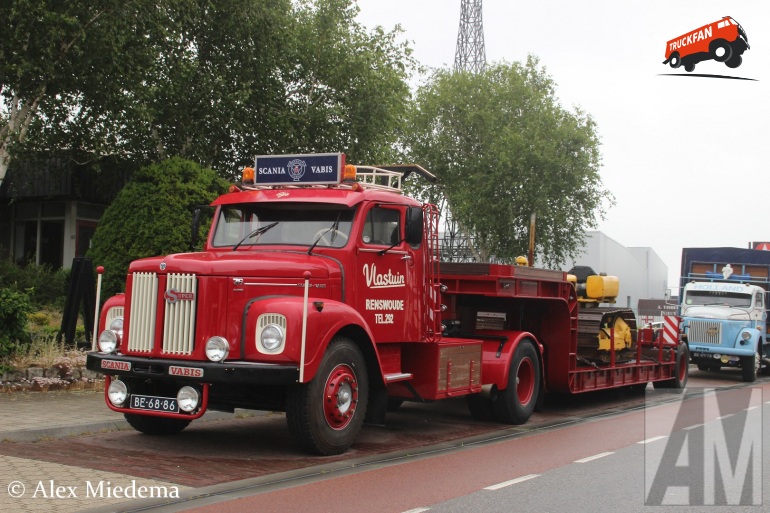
(705, 332)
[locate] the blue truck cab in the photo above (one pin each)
(724, 321)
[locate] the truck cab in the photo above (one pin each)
(724, 323)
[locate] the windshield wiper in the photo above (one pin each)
(334, 228)
(258, 231)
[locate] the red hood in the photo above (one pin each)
(275, 264)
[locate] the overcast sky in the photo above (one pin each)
(686, 158)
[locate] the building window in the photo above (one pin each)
(38, 239)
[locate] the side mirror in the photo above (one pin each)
(414, 225)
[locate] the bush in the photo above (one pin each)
(14, 307)
(44, 286)
(151, 216)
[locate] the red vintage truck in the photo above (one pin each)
(723, 41)
(320, 292)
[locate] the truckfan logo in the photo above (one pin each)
(172, 296)
(722, 41)
(296, 169)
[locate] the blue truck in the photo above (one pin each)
(723, 303)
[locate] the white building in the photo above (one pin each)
(642, 273)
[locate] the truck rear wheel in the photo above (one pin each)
(750, 367)
(326, 414)
(515, 404)
(156, 425)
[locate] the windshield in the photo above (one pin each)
(295, 223)
(702, 297)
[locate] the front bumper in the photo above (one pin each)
(698, 351)
(232, 372)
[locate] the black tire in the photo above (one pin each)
(675, 61)
(689, 67)
(720, 50)
(481, 408)
(515, 404)
(325, 415)
(734, 62)
(750, 367)
(681, 371)
(156, 425)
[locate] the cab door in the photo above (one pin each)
(386, 274)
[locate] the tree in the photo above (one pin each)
(503, 149)
(213, 82)
(151, 216)
(70, 66)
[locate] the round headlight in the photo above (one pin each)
(746, 335)
(117, 326)
(217, 349)
(188, 398)
(271, 337)
(117, 392)
(108, 341)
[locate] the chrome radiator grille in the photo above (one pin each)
(179, 321)
(179, 313)
(705, 332)
(144, 301)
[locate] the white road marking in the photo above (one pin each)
(653, 439)
(724, 416)
(693, 426)
(512, 482)
(594, 457)
(417, 510)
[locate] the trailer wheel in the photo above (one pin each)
(681, 372)
(720, 50)
(326, 414)
(675, 61)
(515, 404)
(156, 425)
(689, 67)
(750, 367)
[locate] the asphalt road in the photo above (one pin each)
(427, 455)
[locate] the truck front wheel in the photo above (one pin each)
(515, 404)
(326, 414)
(156, 425)
(750, 367)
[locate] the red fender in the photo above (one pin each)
(496, 359)
(325, 319)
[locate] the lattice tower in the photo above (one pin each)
(470, 54)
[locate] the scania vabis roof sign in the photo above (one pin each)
(318, 168)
